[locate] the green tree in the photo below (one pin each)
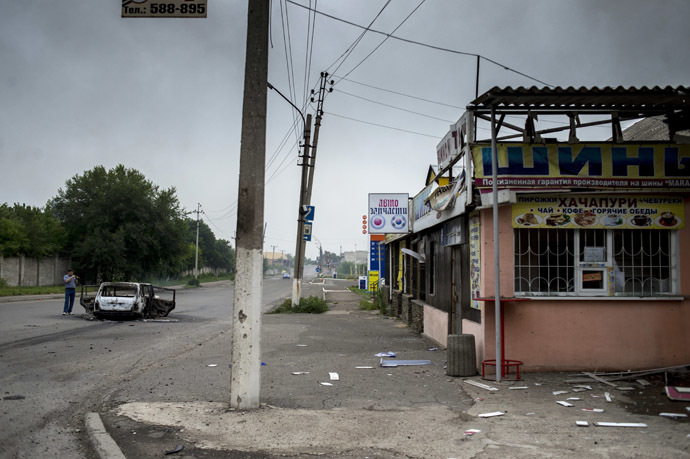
(30, 231)
(120, 226)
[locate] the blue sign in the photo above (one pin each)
(377, 257)
(318, 270)
(306, 234)
(308, 213)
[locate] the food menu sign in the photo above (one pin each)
(598, 211)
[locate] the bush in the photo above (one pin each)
(367, 305)
(309, 305)
(193, 282)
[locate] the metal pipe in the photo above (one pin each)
(497, 260)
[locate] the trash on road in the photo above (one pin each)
(470, 432)
(491, 415)
(432, 349)
(620, 424)
(593, 410)
(399, 363)
(608, 397)
(518, 387)
(678, 393)
(573, 399)
(385, 354)
(177, 449)
(626, 388)
(364, 367)
(582, 423)
(300, 372)
(212, 365)
(480, 385)
(563, 403)
(301, 345)
(582, 387)
(674, 415)
(325, 384)
(559, 392)
(643, 382)
(334, 376)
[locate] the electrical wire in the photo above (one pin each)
(383, 126)
(393, 106)
(383, 41)
(401, 93)
(426, 45)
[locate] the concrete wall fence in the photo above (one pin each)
(23, 271)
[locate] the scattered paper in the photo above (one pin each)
(480, 385)
(559, 392)
(579, 389)
(608, 397)
(518, 387)
(325, 384)
(582, 386)
(674, 415)
(620, 424)
(301, 345)
(582, 423)
(212, 365)
(385, 354)
(432, 349)
(530, 414)
(300, 372)
(399, 363)
(626, 388)
(593, 410)
(364, 368)
(561, 402)
(471, 432)
(334, 376)
(491, 415)
(570, 399)
(643, 382)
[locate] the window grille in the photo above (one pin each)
(547, 262)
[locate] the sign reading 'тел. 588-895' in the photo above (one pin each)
(388, 213)
(163, 8)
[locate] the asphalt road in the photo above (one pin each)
(55, 368)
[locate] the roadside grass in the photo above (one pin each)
(309, 305)
(370, 301)
(17, 291)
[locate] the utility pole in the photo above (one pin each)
(196, 257)
(273, 259)
(317, 126)
(300, 246)
(245, 378)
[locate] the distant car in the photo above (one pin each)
(286, 275)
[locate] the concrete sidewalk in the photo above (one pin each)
(374, 411)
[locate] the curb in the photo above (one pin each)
(102, 442)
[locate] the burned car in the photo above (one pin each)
(127, 299)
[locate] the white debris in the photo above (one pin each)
(561, 402)
(491, 415)
(480, 385)
(582, 423)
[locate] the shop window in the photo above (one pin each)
(594, 262)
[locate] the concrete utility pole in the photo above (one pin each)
(300, 246)
(273, 259)
(245, 380)
(317, 127)
(196, 257)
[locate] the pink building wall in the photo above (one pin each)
(572, 334)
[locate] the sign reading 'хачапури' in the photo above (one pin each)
(602, 166)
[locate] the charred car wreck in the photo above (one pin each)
(127, 300)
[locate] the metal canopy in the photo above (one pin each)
(645, 101)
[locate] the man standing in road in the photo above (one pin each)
(70, 291)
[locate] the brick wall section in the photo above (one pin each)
(406, 309)
(396, 306)
(417, 316)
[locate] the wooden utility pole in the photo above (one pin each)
(196, 255)
(245, 380)
(300, 245)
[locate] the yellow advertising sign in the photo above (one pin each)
(598, 211)
(603, 166)
(373, 281)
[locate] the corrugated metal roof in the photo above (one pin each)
(607, 98)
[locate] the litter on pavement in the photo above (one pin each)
(518, 387)
(385, 354)
(399, 363)
(593, 410)
(480, 385)
(334, 376)
(300, 372)
(561, 402)
(325, 384)
(212, 365)
(492, 414)
(620, 424)
(582, 423)
(678, 393)
(559, 392)
(608, 397)
(470, 432)
(364, 368)
(674, 415)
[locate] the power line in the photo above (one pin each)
(287, 44)
(382, 42)
(393, 106)
(383, 126)
(426, 45)
(401, 93)
(352, 47)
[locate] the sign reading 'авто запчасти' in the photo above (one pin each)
(388, 213)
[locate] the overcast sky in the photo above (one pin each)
(80, 87)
